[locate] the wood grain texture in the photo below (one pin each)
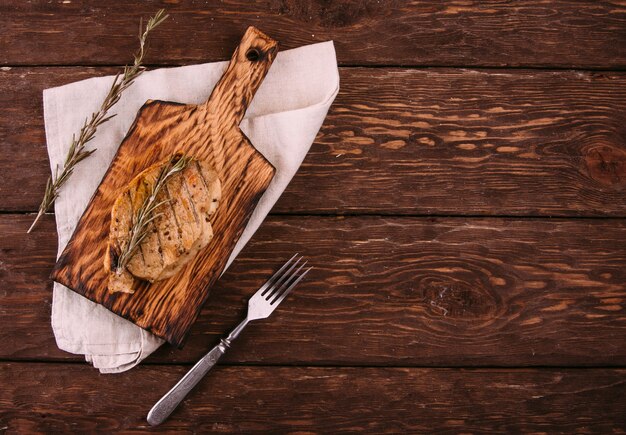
(397, 141)
(383, 291)
(561, 33)
(208, 132)
(70, 397)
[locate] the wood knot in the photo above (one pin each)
(457, 299)
(425, 140)
(606, 164)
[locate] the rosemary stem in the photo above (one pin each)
(145, 214)
(77, 152)
(40, 213)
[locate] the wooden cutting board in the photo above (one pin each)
(210, 132)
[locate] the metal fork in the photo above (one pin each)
(260, 306)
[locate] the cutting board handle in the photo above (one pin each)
(247, 68)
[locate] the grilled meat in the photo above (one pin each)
(180, 230)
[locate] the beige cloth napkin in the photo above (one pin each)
(281, 122)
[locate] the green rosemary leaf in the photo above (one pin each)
(76, 152)
(144, 215)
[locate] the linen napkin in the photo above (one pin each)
(281, 122)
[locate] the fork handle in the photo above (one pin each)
(168, 403)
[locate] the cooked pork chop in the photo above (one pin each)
(182, 228)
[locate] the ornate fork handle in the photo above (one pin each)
(168, 403)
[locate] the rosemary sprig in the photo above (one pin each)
(146, 212)
(77, 151)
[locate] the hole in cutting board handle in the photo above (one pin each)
(254, 54)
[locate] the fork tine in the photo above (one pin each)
(273, 278)
(293, 276)
(278, 284)
(277, 292)
(293, 284)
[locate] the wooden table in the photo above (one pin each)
(464, 206)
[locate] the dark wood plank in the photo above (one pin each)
(464, 142)
(24, 164)
(385, 291)
(437, 141)
(70, 397)
(561, 33)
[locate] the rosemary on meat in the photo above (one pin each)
(77, 151)
(146, 212)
